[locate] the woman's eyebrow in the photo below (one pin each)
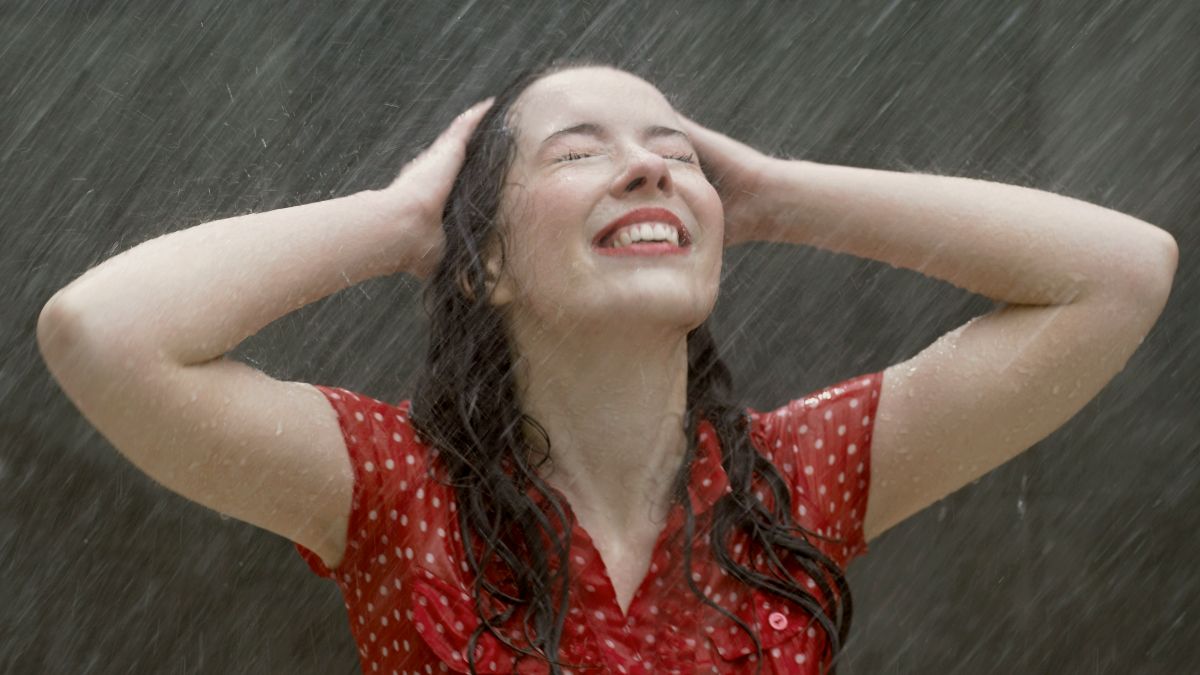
(593, 129)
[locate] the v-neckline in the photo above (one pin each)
(583, 543)
(707, 481)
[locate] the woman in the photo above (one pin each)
(569, 489)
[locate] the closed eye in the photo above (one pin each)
(571, 155)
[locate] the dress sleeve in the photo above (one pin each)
(821, 443)
(386, 456)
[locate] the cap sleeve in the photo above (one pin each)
(388, 460)
(821, 443)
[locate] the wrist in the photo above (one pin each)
(392, 215)
(783, 217)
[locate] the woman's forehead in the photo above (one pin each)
(597, 95)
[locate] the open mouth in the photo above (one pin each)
(641, 228)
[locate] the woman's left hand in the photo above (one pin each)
(740, 174)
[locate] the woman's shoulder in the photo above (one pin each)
(389, 460)
(821, 444)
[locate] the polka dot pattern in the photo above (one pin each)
(407, 588)
(821, 443)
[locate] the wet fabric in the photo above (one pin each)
(407, 587)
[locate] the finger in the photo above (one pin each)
(714, 141)
(471, 116)
(454, 137)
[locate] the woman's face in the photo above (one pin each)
(621, 150)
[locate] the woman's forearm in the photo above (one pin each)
(1012, 244)
(195, 294)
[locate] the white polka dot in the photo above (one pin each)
(808, 471)
(828, 414)
(853, 403)
(410, 460)
(397, 437)
(429, 558)
(358, 416)
(370, 466)
(851, 449)
(390, 464)
(819, 443)
(378, 417)
(841, 430)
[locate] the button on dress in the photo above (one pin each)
(407, 586)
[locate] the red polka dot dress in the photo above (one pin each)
(407, 586)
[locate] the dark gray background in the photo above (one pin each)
(126, 120)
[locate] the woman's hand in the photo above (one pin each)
(421, 189)
(740, 174)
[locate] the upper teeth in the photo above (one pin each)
(644, 232)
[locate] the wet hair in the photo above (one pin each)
(516, 534)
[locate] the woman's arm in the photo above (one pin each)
(1012, 244)
(137, 344)
(193, 295)
(1083, 287)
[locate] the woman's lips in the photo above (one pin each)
(643, 215)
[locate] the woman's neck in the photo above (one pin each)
(613, 407)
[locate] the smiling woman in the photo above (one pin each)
(570, 486)
(608, 496)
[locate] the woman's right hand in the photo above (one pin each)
(421, 189)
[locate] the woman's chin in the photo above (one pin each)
(655, 307)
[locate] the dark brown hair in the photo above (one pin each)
(466, 405)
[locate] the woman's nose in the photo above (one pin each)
(644, 171)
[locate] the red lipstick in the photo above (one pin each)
(644, 215)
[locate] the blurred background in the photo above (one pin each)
(127, 120)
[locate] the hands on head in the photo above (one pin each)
(739, 172)
(424, 185)
(741, 175)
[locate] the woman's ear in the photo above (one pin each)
(499, 286)
(496, 282)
